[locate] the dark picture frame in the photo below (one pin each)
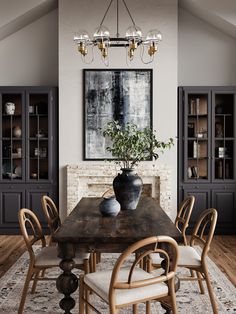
(124, 95)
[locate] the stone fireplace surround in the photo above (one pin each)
(93, 179)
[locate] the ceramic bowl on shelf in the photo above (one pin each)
(11, 175)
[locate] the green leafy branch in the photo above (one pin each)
(131, 145)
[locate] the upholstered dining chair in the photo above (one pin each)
(128, 284)
(44, 258)
(181, 223)
(191, 259)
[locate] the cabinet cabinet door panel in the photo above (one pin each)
(202, 202)
(33, 201)
(224, 202)
(11, 202)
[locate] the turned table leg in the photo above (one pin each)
(67, 282)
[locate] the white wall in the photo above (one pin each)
(30, 56)
(73, 15)
(206, 56)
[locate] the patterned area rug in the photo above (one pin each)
(46, 298)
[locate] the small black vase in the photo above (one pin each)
(127, 187)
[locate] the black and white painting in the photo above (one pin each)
(121, 95)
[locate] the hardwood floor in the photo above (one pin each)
(223, 253)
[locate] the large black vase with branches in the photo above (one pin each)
(127, 187)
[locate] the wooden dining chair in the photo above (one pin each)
(44, 258)
(181, 223)
(54, 222)
(184, 214)
(128, 284)
(51, 214)
(191, 259)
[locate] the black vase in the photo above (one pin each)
(127, 187)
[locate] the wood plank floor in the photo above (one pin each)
(223, 253)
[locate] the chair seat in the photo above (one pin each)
(100, 283)
(188, 256)
(48, 257)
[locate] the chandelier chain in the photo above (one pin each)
(128, 12)
(105, 14)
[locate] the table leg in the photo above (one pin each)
(67, 283)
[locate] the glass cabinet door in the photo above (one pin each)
(12, 135)
(223, 136)
(38, 136)
(197, 150)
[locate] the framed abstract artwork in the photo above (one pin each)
(114, 95)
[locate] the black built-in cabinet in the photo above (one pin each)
(28, 152)
(207, 152)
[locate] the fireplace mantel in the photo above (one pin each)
(93, 179)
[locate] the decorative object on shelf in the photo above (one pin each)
(34, 175)
(123, 95)
(10, 108)
(19, 150)
(132, 40)
(109, 206)
(129, 147)
(220, 152)
(189, 172)
(194, 172)
(6, 151)
(219, 132)
(219, 109)
(11, 175)
(31, 109)
(39, 134)
(194, 106)
(16, 131)
(191, 129)
(17, 171)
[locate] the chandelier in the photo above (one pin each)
(132, 40)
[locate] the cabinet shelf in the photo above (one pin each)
(197, 158)
(4, 115)
(200, 139)
(38, 115)
(204, 115)
(223, 115)
(38, 138)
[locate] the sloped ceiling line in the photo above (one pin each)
(27, 18)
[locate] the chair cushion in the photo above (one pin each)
(48, 257)
(100, 283)
(188, 256)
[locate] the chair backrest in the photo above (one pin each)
(163, 245)
(204, 230)
(184, 214)
(51, 214)
(31, 230)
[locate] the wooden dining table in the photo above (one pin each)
(87, 230)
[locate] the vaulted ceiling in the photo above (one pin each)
(15, 15)
(219, 13)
